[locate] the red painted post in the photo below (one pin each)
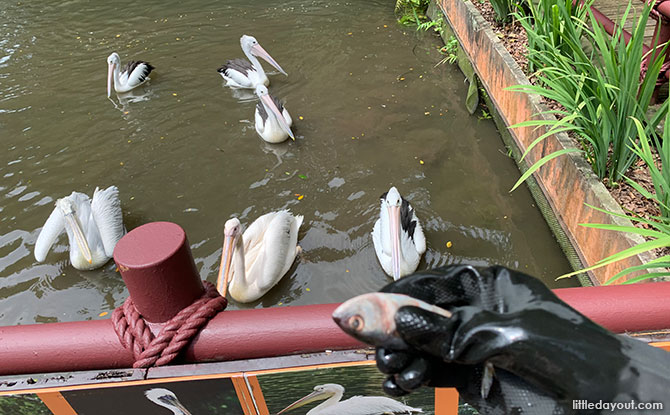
(157, 266)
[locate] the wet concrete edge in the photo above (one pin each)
(564, 180)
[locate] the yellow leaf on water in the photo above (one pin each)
(118, 35)
(307, 289)
(421, 161)
(300, 197)
(449, 244)
(104, 313)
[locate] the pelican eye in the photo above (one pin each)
(356, 322)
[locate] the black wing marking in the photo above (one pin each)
(278, 103)
(383, 196)
(261, 111)
(132, 65)
(240, 65)
(264, 114)
(406, 218)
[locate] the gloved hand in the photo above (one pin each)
(545, 353)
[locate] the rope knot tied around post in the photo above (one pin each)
(176, 334)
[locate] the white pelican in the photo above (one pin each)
(167, 399)
(273, 122)
(397, 236)
(239, 73)
(260, 257)
(93, 227)
(357, 405)
(134, 74)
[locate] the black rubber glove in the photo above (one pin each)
(545, 353)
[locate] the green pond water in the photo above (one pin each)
(371, 109)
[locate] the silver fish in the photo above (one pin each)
(371, 319)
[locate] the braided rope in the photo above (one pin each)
(176, 334)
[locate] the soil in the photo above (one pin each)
(513, 37)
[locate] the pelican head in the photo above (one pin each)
(271, 107)
(320, 392)
(113, 63)
(231, 231)
(391, 201)
(251, 46)
(69, 209)
(167, 399)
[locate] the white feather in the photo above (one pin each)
(270, 247)
(104, 212)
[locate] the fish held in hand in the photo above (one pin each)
(371, 317)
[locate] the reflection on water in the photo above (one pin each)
(371, 110)
(280, 390)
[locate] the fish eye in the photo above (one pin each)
(356, 322)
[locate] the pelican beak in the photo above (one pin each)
(182, 409)
(261, 53)
(270, 104)
(79, 237)
(314, 396)
(224, 267)
(110, 74)
(394, 219)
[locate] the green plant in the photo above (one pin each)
(599, 91)
(503, 9)
(449, 49)
(659, 234)
(436, 25)
(411, 12)
(549, 22)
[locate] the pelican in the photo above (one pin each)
(239, 73)
(397, 236)
(167, 399)
(93, 227)
(260, 257)
(357, 405)
(134, 74)
(273, 122)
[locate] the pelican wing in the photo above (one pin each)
(52, 228)
(106, 208)
(410, 224)
(241, 66)
(270, 244)
(135, 72)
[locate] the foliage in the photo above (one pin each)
(599, 91)
(411, 12)
(551, 21)
(28, 404)
(449, 49)
(659, 234)
(503, 9)
(436, 25)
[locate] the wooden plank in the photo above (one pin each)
(56, 403)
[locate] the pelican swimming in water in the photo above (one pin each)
(167, 399)
(93, 227)
(258, 259)
(239, 73)
(134, 74)
(273, 122)
(357, 405)
(397, 236)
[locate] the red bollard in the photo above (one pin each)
(157, 266)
